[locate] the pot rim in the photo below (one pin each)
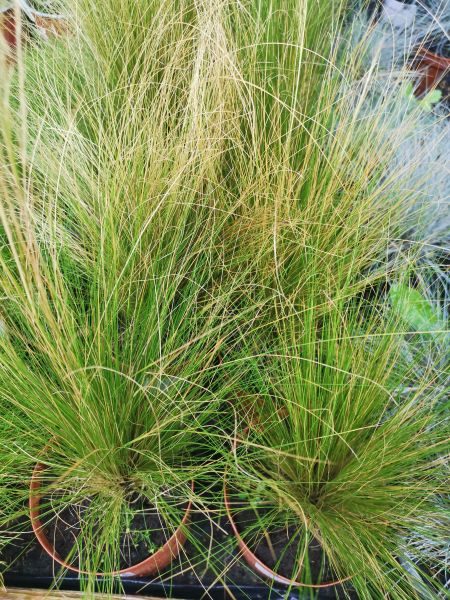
(151, 565)
(31, 13)
(436, 60)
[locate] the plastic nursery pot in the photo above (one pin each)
(253, 561)
(152, 565)
(433, 68)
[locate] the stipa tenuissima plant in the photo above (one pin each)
(347, 435)
(190, 174)
(111, 217)
(343, 446)
(323, 191)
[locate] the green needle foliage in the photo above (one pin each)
(110, 236)
(197, 220)
(347, 435)
(340, 443)
(320, 207)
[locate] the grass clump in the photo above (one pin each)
(342, 450)
(340, 419)
(110, 235)
(198, 226)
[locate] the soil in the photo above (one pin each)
(194, 573)
(279, 548)
(25, 556)
(146, 532)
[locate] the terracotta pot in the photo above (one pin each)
(50, 24)
(433, 69)
(152, 565)
(45, 25)
(8, 26)
(253, 561)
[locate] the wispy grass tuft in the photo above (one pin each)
(111, 228)
(340, 444)
(200, 220)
